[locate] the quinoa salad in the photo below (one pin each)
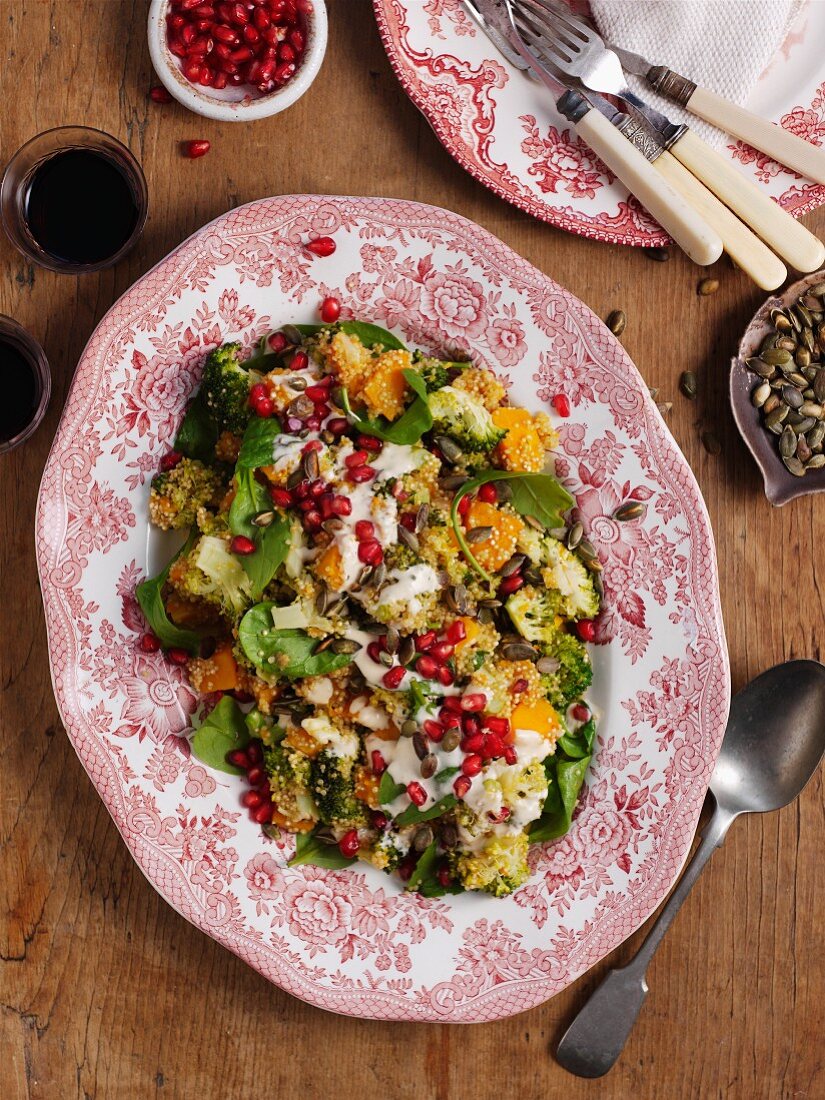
(382, 604)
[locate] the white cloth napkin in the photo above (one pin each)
(724, 45)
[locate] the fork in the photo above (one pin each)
(580, 53)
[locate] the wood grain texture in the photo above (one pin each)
(104, 991)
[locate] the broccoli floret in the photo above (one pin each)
(458, 414)
(518, 784)
(400, 556)
(177, 495)
(213, 523)
(574, 674)
(498, 868)
(534, 612)
(288, 771)
(432, 371)
(567, 573)
(210, 572)
(225, 388)
(332, 782)
(386, 852)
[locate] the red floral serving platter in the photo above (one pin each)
(352, 941)
(504, 129)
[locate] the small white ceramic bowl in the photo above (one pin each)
(235, 104)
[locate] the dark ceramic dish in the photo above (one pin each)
(780, 484)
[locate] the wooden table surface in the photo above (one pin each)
(106, 992)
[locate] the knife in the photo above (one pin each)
(780, 144)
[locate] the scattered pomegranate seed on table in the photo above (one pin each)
(195, 149)
(159, 94)
(330, 310)
(322, 246)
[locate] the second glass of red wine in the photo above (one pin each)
(73, 199)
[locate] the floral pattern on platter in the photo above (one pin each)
(351, 940)
(470, 97)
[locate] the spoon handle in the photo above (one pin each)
(596, 1037)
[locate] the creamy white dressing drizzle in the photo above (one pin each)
(486, 796)
(405, 767)
(404, 586)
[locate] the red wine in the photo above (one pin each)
(80, 206)
(21, 391)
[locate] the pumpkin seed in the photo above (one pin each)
(322, 600)
(687, 384)
(409, 728)
(519, 651)
(776, 416)
(815, 462)
(449, 448)
(406, 650)
(379, 575)
(531, 521)
(429, 766)
(485, 616)
(334, 525)
(707, 286)
(801, 423)
(803, 451)
(794, 465)
(301, 407)
(574, 536)
(392, 640)
(408, 538)
(453, 481)
(770, 404)
(292, 334)
(633, 509)
(325, 643)
(820, 336)
(617, 322)
(337, 607)
(798, 380)
(780, 321)
(532, 575)
(451, 739)
(311, 465)
(760, 367)
(458, 599)
(791, 396)
(587, 553)
(803, 313)
(559, 533)
(513, 564)
(664, 407)
(711, 443)
(810, 408)
(505, 491)
(776, 356)
(386, 659)
(421, 517)
(808, 342)
(297, 385)
(263, 519)
(808, 394)
(810, 302)
(787, 442)
(478, 534)
(547, 665)
(295, 478)
(345, 646)
(448, 832)
(661, 255)
(760, 395)
(816, 435)
(802, 358)
(419, 743)
(423, 837)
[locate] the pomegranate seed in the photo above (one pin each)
(281, 497)
(238, 758)
(442, 651)
(379, 764)
(379, 820)
(470, 724)
(493, 746)
(357, 458)
(242, 697)
(177, 47)
(159, 94)
(252, 800)
(255, 776)
(461, 785)
(322, 246)
(424, 641)
(301, 490)
(195, 149)
(264, 408)
(519, 687)
(254, 750)
(511, 584)
(445, 676)
(407, 520)
(296, 39)
(464, 505)
(177, 656)
(370, 552)
(317, 393)
(586, 630)
(374, 651)
(263, 815)
(488, 493)
(349, 843)
(227, 35)
(500, 817)
(300, 361)
(242, 545)
(277, 342)
(510, 755)
(313, 521)
(499, 726)
(370, 443)
(338, 425)
(284, 73)
(360, 474)
(325, 504)
(474, 701)
(417, 794)
(472, 744)
(443, 875)
(241, 54)
(149, 643)
(364, 529)
(580, 712)
(313, 445)
(317, 488)
(286, 52)
(251, 35)
(261, 19)
(425, 666)
(330, 307)
(239, 14)
(191, 70)
(406, 868)
(219, 81)
(456, 632)
(188, 35)
(471, 765)
(393, 677)
(434, 730)
(293, 424)
(170, 460)
(341, 506)
(313, 423)
(175, 21)
(448, 718)
(453, 703)
(204, 11)
(561, 403)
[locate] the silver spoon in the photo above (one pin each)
(774, 741)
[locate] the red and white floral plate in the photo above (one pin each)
(504, 129)
(351, 941)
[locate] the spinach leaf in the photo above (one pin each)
(578, 744)
(272, 543)
(388, 789)
(198, 432)
(413, 816)
(447, 773)
(565, 779)
(320, 853)
(425, 868)
(223, 730)
(284, 653)
(536, 495)
(149, 596)
(421, 696)
(258, 443)
(432, 888)
(409, 427)
(368, 334)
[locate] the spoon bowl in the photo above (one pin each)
(774, 740)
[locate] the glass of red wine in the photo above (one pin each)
(25, 382)
(73, 199)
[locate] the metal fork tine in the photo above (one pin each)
(547, 25)
(543, 38)
(562, 13)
